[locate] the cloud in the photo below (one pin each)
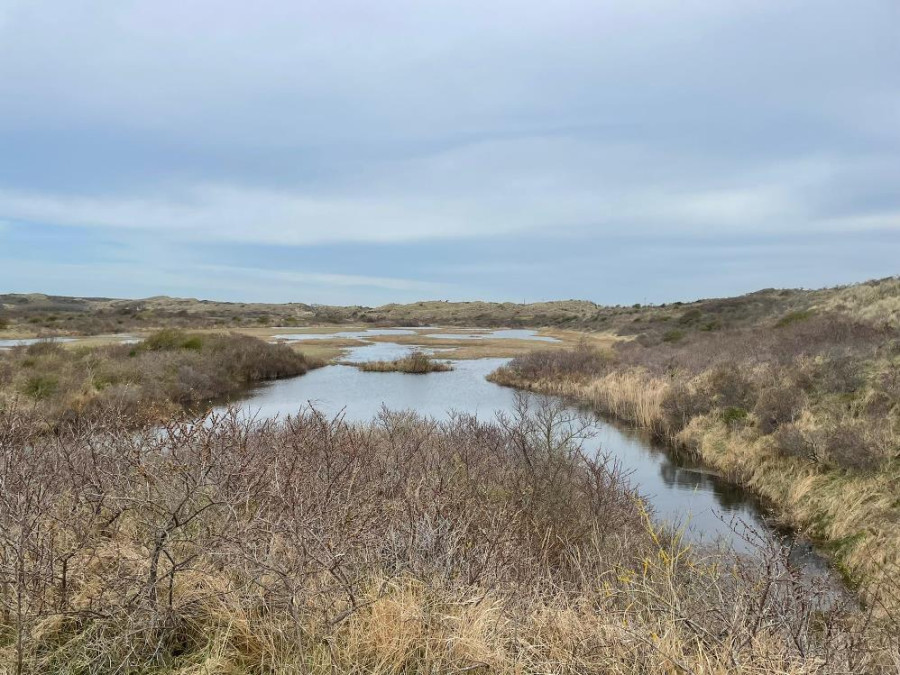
(491, 189)
(307, 124)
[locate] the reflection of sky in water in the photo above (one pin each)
(24, 342)
(468, 334)
(383, 351)
(349, 335)
(505, 334)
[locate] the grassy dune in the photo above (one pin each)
(804, 411)
(43, 314)
(404, 546)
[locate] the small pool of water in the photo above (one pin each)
(503, 334)
(348, 335)
(24, 342)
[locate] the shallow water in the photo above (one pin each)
(24, 342)
(349, 335)
(502, 334)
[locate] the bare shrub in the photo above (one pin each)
(778, 404)
(314, 545)
(681, 403)
(793, 442)
(730, 388)
(850, 445)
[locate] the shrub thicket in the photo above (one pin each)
(168, 369)
(402, 546)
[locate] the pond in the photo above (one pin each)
(679, 491)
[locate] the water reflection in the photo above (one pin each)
(503, 334)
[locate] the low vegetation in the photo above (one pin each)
(417, 363)
(875, 301)
(309, 545)
(804, 411)
(166, 371)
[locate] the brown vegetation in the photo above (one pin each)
(164, 372)
(875, 301)
(417, 363)
(308, 545)
(806, 413)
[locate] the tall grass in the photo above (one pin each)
(806, 414)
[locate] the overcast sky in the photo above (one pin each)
(366, 152)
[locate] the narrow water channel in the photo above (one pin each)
(705, 505)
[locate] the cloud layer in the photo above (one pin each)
(445, 127)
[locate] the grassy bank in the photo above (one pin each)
(416, 363)
(166, 371)
(403, 546)
(804, 411)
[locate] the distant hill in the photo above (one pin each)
(873, 302)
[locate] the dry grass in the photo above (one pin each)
(417, 363)
(309, 545)
(806, 415)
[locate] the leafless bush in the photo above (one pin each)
(791, 441)
(778, 404)
(221, 542)
(681, 403)
(851, 445)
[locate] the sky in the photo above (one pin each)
(359, 152)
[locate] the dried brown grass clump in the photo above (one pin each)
(417, 363)
(314, 546)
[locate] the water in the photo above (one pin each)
(503, 334)
(24, 342)
(471, 334)
(348, 335)
(679, 492)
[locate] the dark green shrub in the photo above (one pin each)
(794, 317)
(170, 339)
(690, 317)
(734, 416)
(40, 387)
(673, 335)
